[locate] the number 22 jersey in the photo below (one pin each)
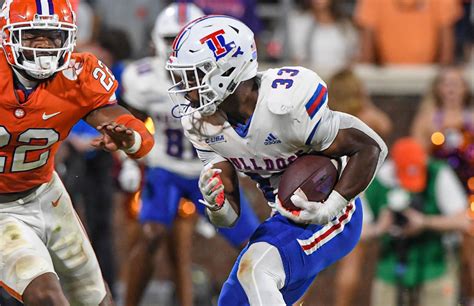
(30, 132)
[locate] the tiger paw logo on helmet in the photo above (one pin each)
(23, 20)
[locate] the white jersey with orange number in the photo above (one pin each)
(145, 88)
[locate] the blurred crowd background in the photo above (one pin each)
(405, 67)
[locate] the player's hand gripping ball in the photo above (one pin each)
(315, 175)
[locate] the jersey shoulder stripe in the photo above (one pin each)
(316, 101)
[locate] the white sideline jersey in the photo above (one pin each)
(291, 118)
(145, 85)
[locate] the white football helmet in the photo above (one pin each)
(212, 55)
(168, 24)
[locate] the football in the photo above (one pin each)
(316, 175)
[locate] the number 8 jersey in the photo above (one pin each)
(145, 85)
(31, 130)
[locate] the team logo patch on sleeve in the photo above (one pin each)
(317, 100)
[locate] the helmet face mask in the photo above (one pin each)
(38, 44)
(190, 78)
(219, 47)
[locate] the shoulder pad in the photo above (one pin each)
(289, 88)
(144, 83)
(141, 75)
(93, 74)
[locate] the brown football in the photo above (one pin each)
(316, 175)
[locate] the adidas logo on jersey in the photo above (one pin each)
(271, 139)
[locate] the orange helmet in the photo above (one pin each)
(20, 18)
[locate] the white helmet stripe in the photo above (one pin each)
(6, 10)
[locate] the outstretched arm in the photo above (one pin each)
(120, 131)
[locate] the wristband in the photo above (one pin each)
(136, 145)
(225, 216)
(334, 204)
(144, 142)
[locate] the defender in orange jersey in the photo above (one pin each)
(44, 90)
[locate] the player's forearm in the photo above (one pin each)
(366, 152)
(359, 171)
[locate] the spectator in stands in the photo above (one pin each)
(407, 31)
(416, 200)
(445, 125)
(87, 21)
(135, 17)
(322, 37)
(348, 95)
(448, 108)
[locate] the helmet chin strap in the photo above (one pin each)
(47, 63)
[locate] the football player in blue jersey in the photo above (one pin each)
(172, 168)
(258, 123)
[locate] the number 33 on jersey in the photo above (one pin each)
(30, 132)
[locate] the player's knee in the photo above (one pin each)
(261, 263)
(153, 235)
(250, 271)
